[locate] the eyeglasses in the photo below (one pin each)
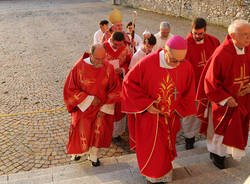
(198, 34)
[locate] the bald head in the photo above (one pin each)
(98, 54)
(239, 31)
(96, 47)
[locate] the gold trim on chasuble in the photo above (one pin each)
(240, 80)
(156, 134)
(203, 61)
(222, 118)
(243, 79)
(84, 144)
(98, 123)
(165, 94)
(83, 81)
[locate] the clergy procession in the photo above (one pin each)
(155, 84)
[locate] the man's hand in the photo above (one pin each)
(119, 70)
(153, 110)
(96, 101)
(244, 90)
(232, 103)
(100, 114)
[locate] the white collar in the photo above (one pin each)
(163, 62)
(239, 51)
(109, 41)
(87, 60)
(140, 50)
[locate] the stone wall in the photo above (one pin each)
(220, 12)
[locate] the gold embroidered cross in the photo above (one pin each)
(84, 142)
(243, 78)
(203, 61)
(175, 93)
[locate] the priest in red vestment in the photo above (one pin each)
(225, 83)
(200, 47)
(158, 90)
(115, 18)
(90, 92)
(119, 55)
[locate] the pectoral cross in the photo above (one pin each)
(175, 93)
(243, 78)
(203, 61)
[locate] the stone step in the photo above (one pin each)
(202, 173)
(124, 169)
(238, 174)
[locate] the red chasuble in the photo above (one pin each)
(153, 136)
(198, 54)
(123, 56)
(226, 74)
(91, 127)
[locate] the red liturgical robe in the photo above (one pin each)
(198, 54)
(153, 136)
(123, 56)
(226, 74)
(91, 127)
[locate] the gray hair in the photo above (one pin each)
(236, 24)
(95, 46)
(164, 25)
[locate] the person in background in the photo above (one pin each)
(90, 93)
(137, 41)
(200, 47)
(163, 35)
(145, 49)
(224, 95)
(98, 36)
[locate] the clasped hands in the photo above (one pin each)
(96, 101)
(244, 90)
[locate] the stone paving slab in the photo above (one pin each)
(40, 41)
(203, 173)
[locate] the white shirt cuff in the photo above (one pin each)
(108, 109)
(86, 103)
(223, 102)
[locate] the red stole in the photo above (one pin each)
(198, 54)
(87, 128)
(153, 136)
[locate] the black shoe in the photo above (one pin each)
(211, 156)
(96, 164)
(77, 158)
(118, 139)
(218, 161)
(189, 143)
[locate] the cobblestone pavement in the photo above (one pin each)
(40, 41)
